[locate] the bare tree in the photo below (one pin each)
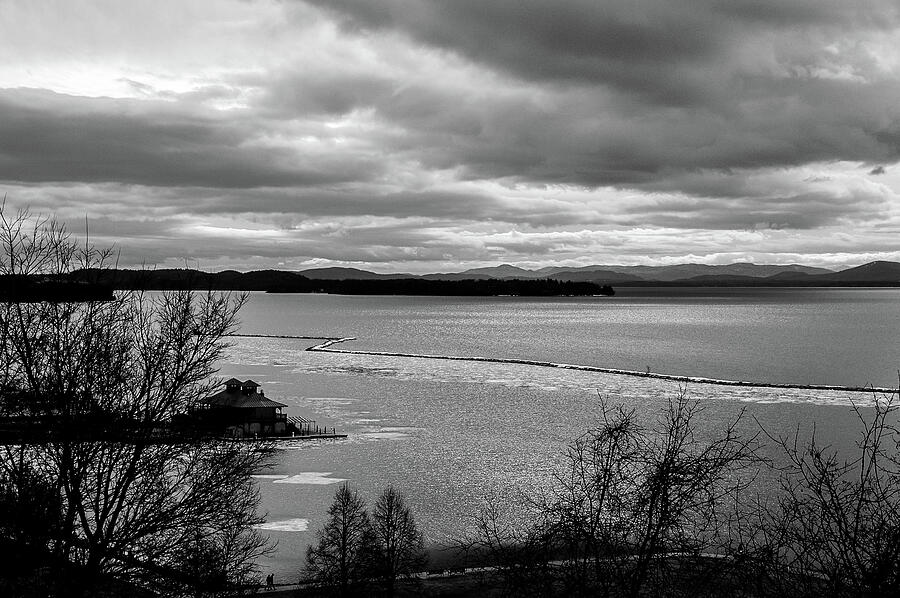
(637, 506)
(683, 493)
(591, 503)
(517, 548)
(104, 379)
(834, 529)
(30, 516)
(399, 545)
(343, 555)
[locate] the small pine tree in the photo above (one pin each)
(399, 544)
(343, 555)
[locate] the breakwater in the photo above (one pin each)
(326, 348)
(329, 342)
(327, 339)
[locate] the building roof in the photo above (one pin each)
(241, 400)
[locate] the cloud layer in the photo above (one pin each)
(417, 135)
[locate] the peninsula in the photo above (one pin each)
(279, 281)
(502, 280)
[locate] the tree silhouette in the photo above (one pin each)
(102, 381)
(630, 504)
(834, 527)
(30, 517)
(343, 555)
(399, 545)
(634, 495)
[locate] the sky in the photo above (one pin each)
(438, 135)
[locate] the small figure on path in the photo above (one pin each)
(270, 581)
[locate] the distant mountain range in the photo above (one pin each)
(498, 280)
(739, 274)
(356, 274)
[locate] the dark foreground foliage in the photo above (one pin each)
(124, 514)
(659, 510)
(358, 553)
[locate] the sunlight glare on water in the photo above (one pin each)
(449, 433)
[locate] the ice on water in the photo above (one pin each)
(316, 478)
(296, 524)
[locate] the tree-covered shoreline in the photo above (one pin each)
(278, 281)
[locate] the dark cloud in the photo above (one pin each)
(802, 211)
(620, 93)
(51, 137)
(412, 131)
(574, 41)
(298, 203)
(644, 46)
(578, 139)
(573, 35)
(327, 93)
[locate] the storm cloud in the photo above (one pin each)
(420, 135)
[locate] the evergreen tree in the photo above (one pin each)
(399, 544)
(343, 555)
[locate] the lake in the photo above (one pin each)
(449, 433)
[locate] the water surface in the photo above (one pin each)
(449, 433)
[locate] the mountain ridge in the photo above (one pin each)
(515, 279)
(634, 275)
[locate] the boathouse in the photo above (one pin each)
(242, 410)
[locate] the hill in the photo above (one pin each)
(348, 274)
(880, 271)
(634, 274)
(458, 276)
(598, 276)
(686, 271)
(501, 271)
(475, 281)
